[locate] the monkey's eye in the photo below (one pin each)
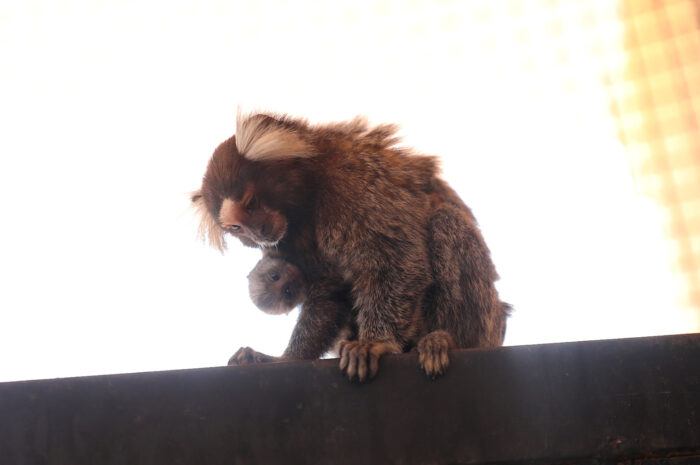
(274, 276)
(251, 205)
(234, 227)
(287, 292)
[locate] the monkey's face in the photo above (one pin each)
(255, 224)
(276, 286)
(247, 199)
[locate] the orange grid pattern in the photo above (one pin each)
(657, 102)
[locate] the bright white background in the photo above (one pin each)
(110, 110)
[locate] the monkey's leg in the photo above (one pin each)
(465, 300)
(389, 303)
(433, 352)
(381, 329)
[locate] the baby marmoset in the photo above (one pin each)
(343, 198)
(276, 286)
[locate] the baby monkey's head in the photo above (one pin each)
(276, 286)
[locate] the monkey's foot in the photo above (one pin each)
(433, 352)
(360, 358)
(247, 356)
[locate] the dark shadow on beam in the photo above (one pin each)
(585, 402)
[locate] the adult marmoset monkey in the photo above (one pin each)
(342, 197)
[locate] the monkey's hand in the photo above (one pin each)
(432, 352)
(361, 358)
(247, 356)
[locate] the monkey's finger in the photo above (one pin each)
(437, 363)
(352, 365)
(444, 360)
(429, 366)
(344, 359)
(373, 365)
(237, 358)
(362, 364)
(421, 359)
(376, 351)
(342, 354)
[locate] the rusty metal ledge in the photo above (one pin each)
(635, 400)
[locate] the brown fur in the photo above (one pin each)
(446, 305)
(374, 232)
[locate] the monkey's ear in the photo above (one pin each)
(264, 138)
(208, 226)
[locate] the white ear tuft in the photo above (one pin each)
(263, 138)
(208, 226)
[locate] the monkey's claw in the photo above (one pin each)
(248, 356)
(360, 359)
(433, 351)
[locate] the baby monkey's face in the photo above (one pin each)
(276, 286)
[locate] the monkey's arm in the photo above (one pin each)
(463, 308)
(324, 313)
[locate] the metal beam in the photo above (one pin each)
(583, 402)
